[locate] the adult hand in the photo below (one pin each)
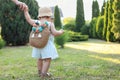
(25, 8)
(22, 6)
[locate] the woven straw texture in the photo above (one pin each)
(39, 42)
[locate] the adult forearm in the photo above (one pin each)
(16, 2)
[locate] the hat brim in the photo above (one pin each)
(41, 15)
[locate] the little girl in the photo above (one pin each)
(49, 52)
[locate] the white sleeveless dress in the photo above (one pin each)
(49, 51)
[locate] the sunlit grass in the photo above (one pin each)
(117, 61)
(77, 61)
(105, 48)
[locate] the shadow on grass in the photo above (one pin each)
(89, 64)
(109, 57)
(74, 63)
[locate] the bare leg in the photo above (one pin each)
(39, 65)
(45, 67)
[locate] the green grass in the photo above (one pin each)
(89, 60)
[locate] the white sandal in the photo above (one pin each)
(45, 75)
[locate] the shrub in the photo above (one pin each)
(92, 30)
(99, 27)
(69, 27)
(80, 38)
(15, 30)
(85, 29)
(76, 36)
(69, 23)
(69, 20)
(62, 39)
(2, 43)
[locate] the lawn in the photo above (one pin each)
(86, 60)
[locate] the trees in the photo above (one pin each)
(105, 21)
(62, 39)
(99, 27)
(15, 30)
(92, 31)
(116, 19)
(80, 21)
(95, 9)
(103, 9)
(69, 23)
(57, 19)
(109, 34)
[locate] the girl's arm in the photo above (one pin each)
(56, 32)
(28, 17)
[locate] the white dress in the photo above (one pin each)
(49, 51)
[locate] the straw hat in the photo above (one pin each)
(44, 11)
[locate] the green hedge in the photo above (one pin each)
(62, 39)
(69, 36)
(2, 43)
(77, 36)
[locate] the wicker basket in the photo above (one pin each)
(39, 39)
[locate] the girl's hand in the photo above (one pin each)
(62, 31)
(35, 25)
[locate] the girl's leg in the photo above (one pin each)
(39, 65)
(45, 67)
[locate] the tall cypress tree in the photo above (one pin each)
(103, 8)
(15, 30)
(110, 35)
(80, 21)
(105, 21)
(116, 19)
(57, 19)
(99, 26)
(92, 31)
(95, 9)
